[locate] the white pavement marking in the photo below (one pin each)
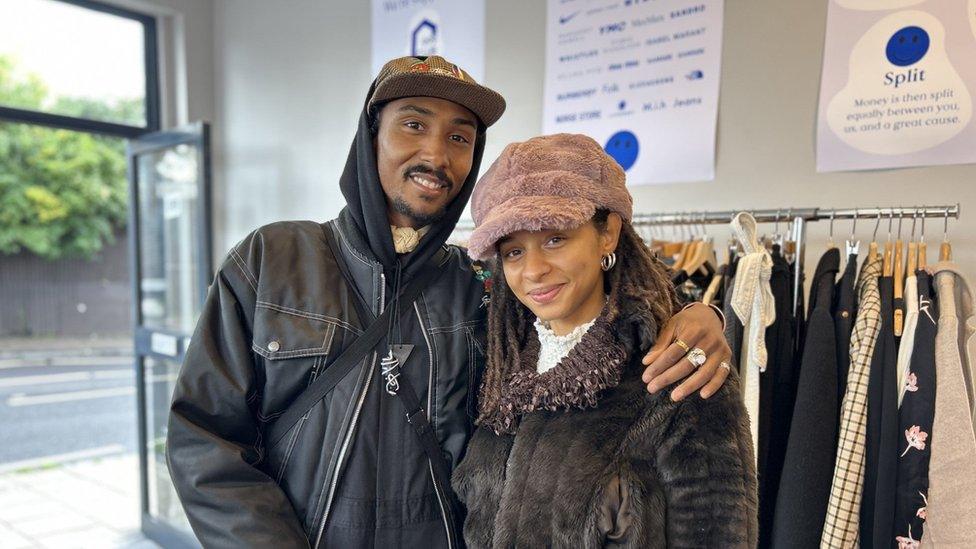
(65, 377)
(21, 399)
(68, 361)
(34, 463)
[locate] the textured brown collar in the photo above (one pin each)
(594, 365)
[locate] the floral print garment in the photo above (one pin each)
(915, 417)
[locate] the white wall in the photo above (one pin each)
(291, 76)
(291, 79)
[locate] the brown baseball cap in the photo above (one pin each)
(435, 76)
(549, 182)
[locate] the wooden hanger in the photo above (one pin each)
(912, 265)
(682, 255)
(731, 251)
(923, 251)
(716, 281)
(887, 268)
(899, 275)
(702, 253)
(945, 249)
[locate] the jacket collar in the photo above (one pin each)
(592, 366)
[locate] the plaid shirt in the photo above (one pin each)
(841, 525)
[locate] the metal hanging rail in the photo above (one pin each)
(695, 217)
(798, 218)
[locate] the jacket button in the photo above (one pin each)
(274, 346)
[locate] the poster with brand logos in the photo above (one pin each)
(641, 77)
(897, 85)
(454, 29)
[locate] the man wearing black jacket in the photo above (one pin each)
(353, 469)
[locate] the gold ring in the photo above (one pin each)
(684, 346)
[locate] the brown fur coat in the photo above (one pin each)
(637, 470)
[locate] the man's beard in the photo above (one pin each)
(420, 219)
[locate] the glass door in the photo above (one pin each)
(170, 236)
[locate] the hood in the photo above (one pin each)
(366, 204)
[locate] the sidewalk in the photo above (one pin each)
(89, 504)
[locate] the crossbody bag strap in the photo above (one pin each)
(351, 356)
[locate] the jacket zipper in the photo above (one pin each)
(298, 431)
(430, 393)
(334, 481)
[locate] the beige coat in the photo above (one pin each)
(951, 505)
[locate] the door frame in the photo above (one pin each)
(147, 340)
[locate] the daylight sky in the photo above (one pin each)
(76, 51)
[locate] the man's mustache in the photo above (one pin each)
(441, 175)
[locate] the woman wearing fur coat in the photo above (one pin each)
(571, 449)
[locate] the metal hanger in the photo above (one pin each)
(852, 247)
(830, 235)
(788, 241)
(873, 247)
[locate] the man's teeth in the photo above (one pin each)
(426, 183)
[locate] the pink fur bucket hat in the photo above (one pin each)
(548, 182)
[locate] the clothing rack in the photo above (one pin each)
(798, 218)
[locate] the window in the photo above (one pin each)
(78, 64)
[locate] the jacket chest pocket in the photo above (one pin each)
(295, 345)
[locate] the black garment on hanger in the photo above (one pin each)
(800, 326)
(723, 286)
(845, 310)
(808, 468)
(776, 394)
(881, 449)
(733, 326)
(915, 418)
(690, 288)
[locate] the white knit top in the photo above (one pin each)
(553, 348)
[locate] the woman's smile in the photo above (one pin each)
(545, 294)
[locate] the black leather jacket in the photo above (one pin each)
(277, 314)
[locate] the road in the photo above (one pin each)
(76, 408)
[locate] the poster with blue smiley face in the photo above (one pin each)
(907, 46)
(623, 147)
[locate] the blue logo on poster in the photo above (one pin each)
(563, 19)
(423, 39)
(907, 46)
(623, 147)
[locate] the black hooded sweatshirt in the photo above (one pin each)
(386, 496)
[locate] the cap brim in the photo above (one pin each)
(487, 104)
(527, 213)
